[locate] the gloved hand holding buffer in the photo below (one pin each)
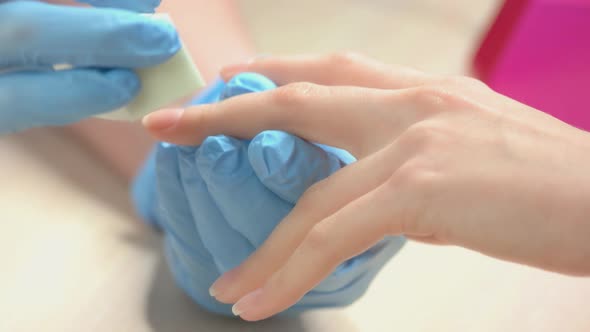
(103, 45)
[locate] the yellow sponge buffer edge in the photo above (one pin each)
(163, 85)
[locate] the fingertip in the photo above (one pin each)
(247, 306)
(288, 165)
(125, 81)
(188, 126)
(269, 151)
(220, 154)
(161, 41)
(222, 289)
(163, 121)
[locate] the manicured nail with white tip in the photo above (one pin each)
(248, 302)
(235, 310)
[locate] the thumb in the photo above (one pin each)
(142, 6)
(247, 83)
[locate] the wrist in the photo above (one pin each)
(573, 216)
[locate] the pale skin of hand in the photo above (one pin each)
(443, 160)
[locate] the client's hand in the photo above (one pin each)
(441, 159)
(217, 203)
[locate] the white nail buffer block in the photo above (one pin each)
(162, 85)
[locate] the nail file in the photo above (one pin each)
(163, 85)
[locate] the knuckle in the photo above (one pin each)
(422, 138)
(202, 117)
(460, 81)
(294, 95)
(434, 97)
(344, 58)
(291, 290)
(316, 242)
(415, 182)
(294, 102)
(439, 98)
(280, 282)
(414, 174)
(202, 122)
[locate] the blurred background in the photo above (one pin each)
(74, 257)
(435, 36)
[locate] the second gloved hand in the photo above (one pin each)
(102, 45)
(219, 202)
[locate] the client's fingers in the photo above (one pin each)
(344, 234)
(333, 69)
(358, 120)
(316, 204)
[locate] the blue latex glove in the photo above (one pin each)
(219, 202)
(102, 45)
(142, 6)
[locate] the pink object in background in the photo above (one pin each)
(538, 52)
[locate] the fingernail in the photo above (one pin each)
(248, 302)
(212, 291)
(221, 285)
(163, 120)
(124, 79)
(235, 310)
